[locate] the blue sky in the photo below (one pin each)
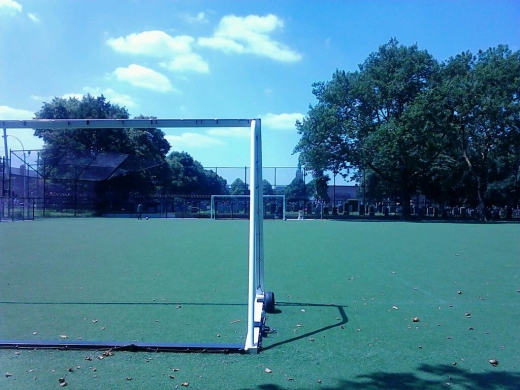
(219, 59)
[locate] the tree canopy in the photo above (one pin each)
(153, 169)
(411, 121)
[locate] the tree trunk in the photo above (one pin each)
(481, 202)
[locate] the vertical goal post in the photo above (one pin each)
(259, 301)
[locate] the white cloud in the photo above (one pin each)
(140, 76)
(152, 43)
(190, 61)
(41, 98)
(281, 121)
(34, 18)
(250, 34)
(192, 141)
(176, 51)
(199, 18)
(112, 96)
(10, 7)
(72, 95)
(14, 113)
(236, 132)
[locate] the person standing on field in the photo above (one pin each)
(139, 211)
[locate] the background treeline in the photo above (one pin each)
(406, 124)
(155, 171)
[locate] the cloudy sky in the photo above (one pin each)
(219, 59)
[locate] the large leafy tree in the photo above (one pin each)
(379, 118)
(297, 191)
(238, 187)
(145, 148)
(188, 176)
(484, 109)
(267, 188)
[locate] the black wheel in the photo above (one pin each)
(269, 301)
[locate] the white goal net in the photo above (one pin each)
(237, 206)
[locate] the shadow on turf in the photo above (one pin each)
(440, 376)
(341, 310)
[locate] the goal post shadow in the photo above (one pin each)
(259, 301)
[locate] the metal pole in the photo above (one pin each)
(5, 150)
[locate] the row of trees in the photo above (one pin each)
(407, 124)
(175, 172)
(156, 170)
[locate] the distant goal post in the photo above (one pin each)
(230, 206)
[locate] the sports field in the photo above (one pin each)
(360, 305)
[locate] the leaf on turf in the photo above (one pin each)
(268, 370)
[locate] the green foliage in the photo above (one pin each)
(483, 103)
(417, 126)
(238, 187)
(150, 172)
(319, 187)
(296, 191)
(188, 176)
(267, 188)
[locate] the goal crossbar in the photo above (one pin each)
(256, 304)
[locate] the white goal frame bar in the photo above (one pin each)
(256, 291)
(213, 197)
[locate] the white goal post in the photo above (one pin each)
(259, 301)
(215, 199)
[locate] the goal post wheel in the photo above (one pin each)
(269, 302)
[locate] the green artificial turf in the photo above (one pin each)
(346, 295)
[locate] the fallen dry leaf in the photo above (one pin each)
(185, 384)
(268, 370)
